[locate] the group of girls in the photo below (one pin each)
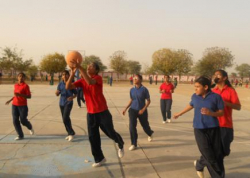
(213, 126)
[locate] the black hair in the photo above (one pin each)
(21, 73)
(224, 74)
(66, 72)
(139, 76)
(97, 67)
(204, 81)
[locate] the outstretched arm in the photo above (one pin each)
(188, 108)
(8, 102)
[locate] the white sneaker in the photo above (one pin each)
(131, 148)
(32, 132)
(199, 173)
(18, 138)
(67, 138)
(120, 153)
(70, 138)
(79, 107)
(99, 163)
(168, 120)
(150, 138)
(164, 122)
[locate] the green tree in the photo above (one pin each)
(164, 60)
(213, 59)
(118, 62)
(184, 62)
(12, 61)
(243, 70)
(93, 58)
(133, 67)
(233, 74)
(32, 71)
(53, 63)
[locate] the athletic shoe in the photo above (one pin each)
(199, 173)
(99, 163)
(168, 120)
(150, 138)
(32, 132)
(71, 137)
(120, 153)
(79, 107)
(164, 122)
(132, 147)
(18, 138)
(67, 138)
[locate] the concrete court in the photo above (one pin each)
(48, 154)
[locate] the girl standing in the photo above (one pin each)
(66, 104)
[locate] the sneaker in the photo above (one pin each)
(67, 138)
(99, 163)
(150, 138)
(70, 138)
(32, 132)
(199, 173)
(18, 138)
(168, 120)
(120, 153)
(79, 107)
(164, 122)
(132, 147)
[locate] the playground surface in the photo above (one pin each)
(170, 154)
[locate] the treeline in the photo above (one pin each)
(164, 61)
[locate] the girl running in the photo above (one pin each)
(207, 107)
(20, 107)
(166, 90)
(138, 109)
(231, 101)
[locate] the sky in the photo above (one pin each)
(138, 27)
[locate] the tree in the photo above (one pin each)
(184, 62)
(243, 70)
(12, 61)
(213, 59)
(164, 60)
(233, 74)
(133, 67)
(148, 70)
(32, 71)
(118, 62)
(93, 58)
(53, 63)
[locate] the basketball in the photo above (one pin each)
(73, 56)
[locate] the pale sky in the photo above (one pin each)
(138, 27)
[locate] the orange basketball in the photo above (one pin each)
(73, 56)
